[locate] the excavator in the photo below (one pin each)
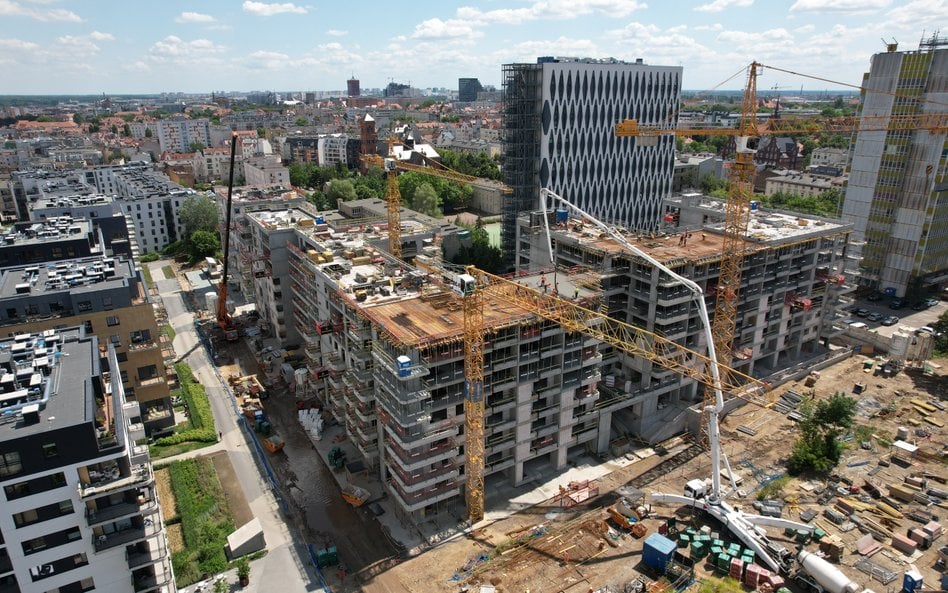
(224, 320)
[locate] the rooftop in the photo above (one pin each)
(70, 201)
(75, 276)
(33, 368)
(51, 230)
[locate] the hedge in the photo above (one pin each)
(202, 419)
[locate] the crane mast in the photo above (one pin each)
(224, 320)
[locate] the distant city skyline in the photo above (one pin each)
(72, 47)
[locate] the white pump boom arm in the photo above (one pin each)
(697, 296)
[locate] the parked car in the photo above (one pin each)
(874, 296)
(861, 312)
(929, 329)
(931, 302)
(874, 317)
(897, 303)
(890, 320)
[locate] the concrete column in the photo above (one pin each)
(604, 432)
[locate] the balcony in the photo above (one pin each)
(140, 559)
(125, 536)
(144, 583)
(145, 506)
(102, 483)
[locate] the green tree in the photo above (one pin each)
(480, 252)
(126, 130)
(116, 155)
(302, 121)
(426, 201)
(196, 146)
(148, 133)
(340, 190)
(941, 337)
(114, 129)
(203, 244)
(819, 447)
(198, 213)
(45, 118)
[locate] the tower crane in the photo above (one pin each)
(224, 320)
(393, 197)
(741, 184)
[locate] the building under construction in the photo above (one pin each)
(384, 347)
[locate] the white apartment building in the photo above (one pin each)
(332, 149)
(80, 507)
(177, 134)
(266, 171)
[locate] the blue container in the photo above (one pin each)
(911, 581)
(404, 366)
(562, 215)
(320, 220)
(890, 291)
(658, 551)
(754, 205)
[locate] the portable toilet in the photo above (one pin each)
(562, 215)
(911, 581)
(404, 366)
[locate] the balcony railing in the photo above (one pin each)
(140, 475)
(147, 506)
(106, 541)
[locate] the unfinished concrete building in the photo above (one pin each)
(795, 274)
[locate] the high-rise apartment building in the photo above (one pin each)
(179, 134)
(80, 507)
(559, 119)
(897, 198)
(352, 87)
(468, 89)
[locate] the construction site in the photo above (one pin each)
(542, 413)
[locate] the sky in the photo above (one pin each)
(147, 46)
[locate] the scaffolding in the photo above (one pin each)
(522, 84)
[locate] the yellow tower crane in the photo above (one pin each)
(393, 197)
(741, 184)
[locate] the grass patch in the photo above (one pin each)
(168, 331)
(205, 520)
(165, 451)
(719, 585)
(147, 273)
(168, 271)
(773, 488)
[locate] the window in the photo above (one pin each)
(16, 490)
(25, 518)
(107, 302)
(148, 372)
(87, 326)
(85, 305)
(143, 335)
(58, 479)
(65, 507)
(124, 375)
(121, 356)
(116, 341)
(34, 545)
(112, 320)
(11, 312)
(10, 464)
(50, 450)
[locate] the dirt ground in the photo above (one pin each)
(550, 548)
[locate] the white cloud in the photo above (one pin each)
(805, 29)
(12, 8)
(15, 44)
(175, 49)
(661, 47)
(337, 33)
(136, 66)
(714, 27)
(847, 6)
(194, 17)
(753, 42)
(549, 9)
(910, 15)
(85, 43)
(264, 9)
(449, 29)
(719, 5)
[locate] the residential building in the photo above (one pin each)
(772, 152)
(214, 163)
(803, 184)
(559, 119)
(332, 149)
(468, 89)
(179, 134)
(897, 197)
(830, 157)
(266, 171)
(352, 87)
(107, 297)
(80, 508)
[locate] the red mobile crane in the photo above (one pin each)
(224, 320)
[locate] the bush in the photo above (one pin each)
(150, 257)
(202, 419)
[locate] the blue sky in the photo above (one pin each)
(104, 46)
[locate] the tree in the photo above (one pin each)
(196, 146)
(198, 213)
(126, 130)
(302, 121)
(819, 447)
(426, 201)
(148, 133)
(340, 190)
(480, 253)
(203, 244)
(114, 129)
